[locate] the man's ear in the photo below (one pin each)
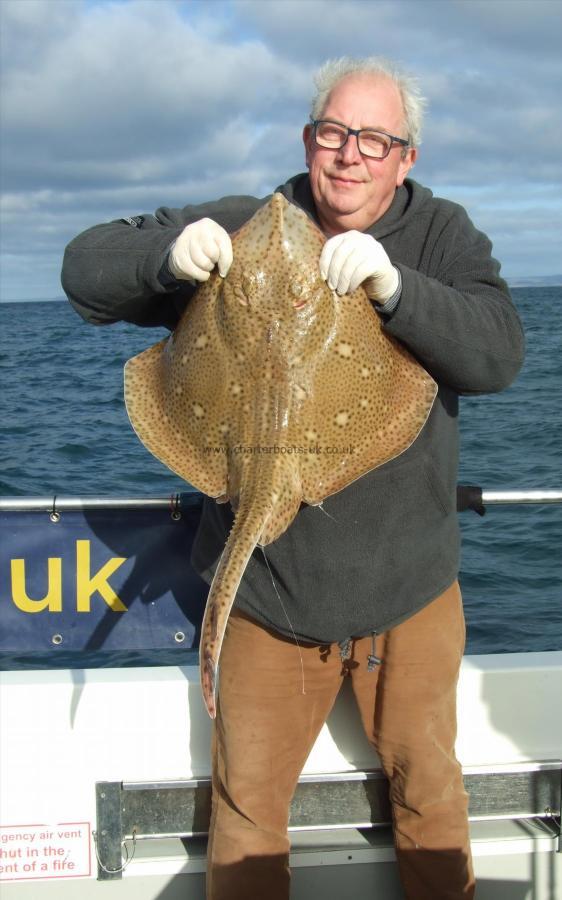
(307, 141)
(406, 164)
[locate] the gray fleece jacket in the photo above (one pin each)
(388, 544)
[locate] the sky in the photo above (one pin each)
(112, 108)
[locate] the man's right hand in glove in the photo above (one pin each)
(197, 250)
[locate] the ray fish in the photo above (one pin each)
(272, 391)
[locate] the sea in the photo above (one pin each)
(65, 432)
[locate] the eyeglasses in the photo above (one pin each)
(370, 141)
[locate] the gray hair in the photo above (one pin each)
(413, 102)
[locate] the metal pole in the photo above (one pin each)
(490, 498)
(46, 504)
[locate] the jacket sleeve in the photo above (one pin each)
(458, 317)
(116, 271)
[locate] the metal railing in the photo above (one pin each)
(137, 811)
(492, 498)
(192, 498)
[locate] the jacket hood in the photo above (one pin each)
(408, 201)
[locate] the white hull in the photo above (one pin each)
(63, 731)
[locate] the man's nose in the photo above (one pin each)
(349, 153)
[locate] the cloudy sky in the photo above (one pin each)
(115, 107)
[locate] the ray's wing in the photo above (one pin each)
(175, 394)
(367, 401)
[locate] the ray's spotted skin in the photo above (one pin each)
(272, 391)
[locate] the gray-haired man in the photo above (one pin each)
(378, 578)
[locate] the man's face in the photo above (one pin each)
(351, 190)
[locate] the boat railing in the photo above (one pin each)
(127, 812)
(468, 497)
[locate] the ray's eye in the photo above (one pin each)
(240, 294)
(248, 283)
(233, 291)
(298, 293)
(247, 286)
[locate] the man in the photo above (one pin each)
(371, 590)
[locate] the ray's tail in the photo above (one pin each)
(245, 533)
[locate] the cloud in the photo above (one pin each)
(114, 108)
(491, 72)
(88, 99)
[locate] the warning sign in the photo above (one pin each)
(45, 851)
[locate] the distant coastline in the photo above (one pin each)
(535, 281)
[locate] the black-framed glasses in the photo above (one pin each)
(370, 141)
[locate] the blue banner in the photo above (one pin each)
(100, 579)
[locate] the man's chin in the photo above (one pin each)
(341, 207)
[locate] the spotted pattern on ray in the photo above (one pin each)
(270, 357)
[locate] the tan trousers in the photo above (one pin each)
(266, 726)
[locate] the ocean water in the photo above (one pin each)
(65, 432)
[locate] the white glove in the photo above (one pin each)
(198, 248)
(353, 258)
